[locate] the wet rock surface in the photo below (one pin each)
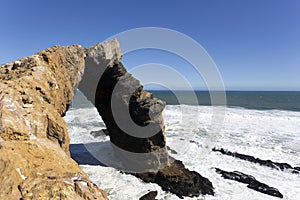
(267, 163)
(149, 196)
(251, 181)
(179, 180)
(34, 144)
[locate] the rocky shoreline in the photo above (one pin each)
(35, 161)
(35, 93)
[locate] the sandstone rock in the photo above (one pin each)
(98, 57)
(39, 169)
(102, 62)
(133, 118)
(35, 93)
(34, 145)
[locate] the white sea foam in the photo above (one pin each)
(271, 134)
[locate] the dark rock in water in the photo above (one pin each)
(149, 196)
(179, 180)
(251, 181)
(268, 163)
(171, 150)
(102, 132)
(237, 176)
(297, 168)
(135, 126)
(263, 188)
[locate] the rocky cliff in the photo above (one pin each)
(34, 158)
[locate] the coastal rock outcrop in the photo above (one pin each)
(99, 56)
(133, 118)
(36, 91)
(39, 169)
(267, 163)
(149, 196)
(177, 179)
(251, 181)
(34, 144)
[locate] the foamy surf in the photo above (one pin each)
(268, 134)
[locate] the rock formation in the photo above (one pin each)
(98, 58)
(267, 163)
(149, 196)
(34, 144)
(135, 125)
(34, 95)
(251, 181)
(177, 179)
(138, 139)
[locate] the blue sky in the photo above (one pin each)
(254, 43)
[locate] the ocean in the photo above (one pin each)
(261, 100)
(265, 125)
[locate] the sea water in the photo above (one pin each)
(265, 133)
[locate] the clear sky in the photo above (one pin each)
(254, 43)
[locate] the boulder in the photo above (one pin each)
(149, 196)
(177, 179)
(34, 144)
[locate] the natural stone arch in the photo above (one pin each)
(146, 155)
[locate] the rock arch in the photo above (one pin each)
(146, 157)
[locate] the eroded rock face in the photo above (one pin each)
(98, 57)
(35, 92)
(139, 149)
(34, 144)
(133, 119)
(135, 125)
(39, 169)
